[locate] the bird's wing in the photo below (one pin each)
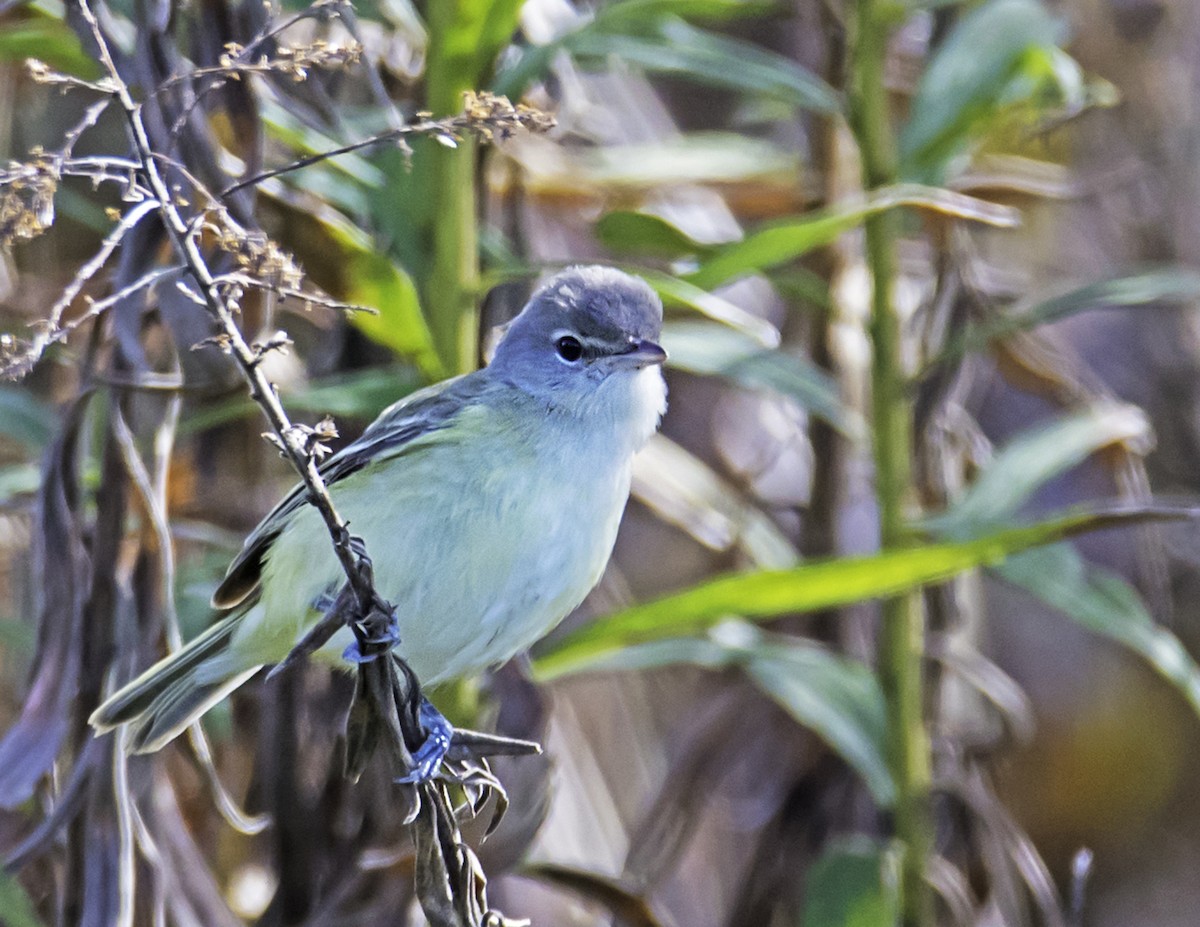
(425, 411)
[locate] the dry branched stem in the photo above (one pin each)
(485, 114)
(293, 445)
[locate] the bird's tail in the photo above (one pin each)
(173, 693)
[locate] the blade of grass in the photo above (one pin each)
(1167, 286)
(811, 587)
(785, 241)
(1106, 604)
(713, 350)
(1032, 459)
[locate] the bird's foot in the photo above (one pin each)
(427, 758)
(372, 642)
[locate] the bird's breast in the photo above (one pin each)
(482, 545)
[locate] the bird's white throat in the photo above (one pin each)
(648, 405)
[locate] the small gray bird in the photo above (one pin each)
(489, 504)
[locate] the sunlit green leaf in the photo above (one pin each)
(809, 587)
(381, 284)
(852, 884)
(1035, 457)
(677, 292)
(697, 157)
(1106, 604)
(646, 235)
(46, 39)
(1095, 598)
(836, 697)
(715, 350)
(781, 242)
(374, 280)
(630, 13)
(704, 57)
(968, 79)
(615, 20)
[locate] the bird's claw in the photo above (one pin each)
(388, 638)
(427, 758)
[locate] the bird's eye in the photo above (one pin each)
(569, 349)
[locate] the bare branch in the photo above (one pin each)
(15, 363)
(309, 299)
(484, 114)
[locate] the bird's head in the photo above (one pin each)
(587, 342)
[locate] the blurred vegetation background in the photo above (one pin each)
(775, 749)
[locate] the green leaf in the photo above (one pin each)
(631, 14)
(360, 394)
(377, 282)
(968, 80)
(26, 419)
(697, 157)
(292, 131)
(1034, 458)
(714, 350)
(1104, 603)
(647, 235)
(1095, 598)
(47, 39)
(785, 241)
(675, 291)
(16, 907)
(837, 698)
(852, 884)
(623, 18)
(374, 280)
(683, 51)
(17, 641)
(1168, 286)
(810, 587)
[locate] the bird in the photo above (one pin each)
(489, 504)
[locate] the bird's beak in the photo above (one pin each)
(640, 354)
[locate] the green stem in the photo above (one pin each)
(452, 282)
(902, 648)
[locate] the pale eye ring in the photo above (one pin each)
(569, 348)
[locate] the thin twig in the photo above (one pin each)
(290, 292)
(50, 330)
(484, 114)
(217, 80)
